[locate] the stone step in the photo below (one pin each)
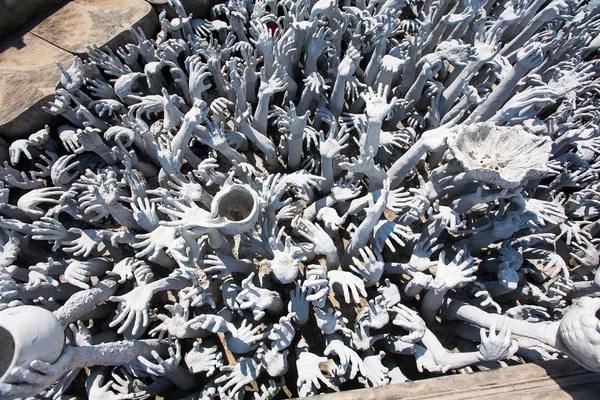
(83, 23)
(28, 72)
(28, 78)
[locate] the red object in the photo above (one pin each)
(272, 26)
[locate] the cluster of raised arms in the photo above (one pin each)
(290, 194)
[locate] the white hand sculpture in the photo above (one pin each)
(317, 285)
(258, 299)
(282, 332)
(30, 201)
(299, 305)
(245, 338)
(498, 346)
(370, 268)
(269, 392)
(176, 326)
(202, 358)
(237, 376)
(390, 293)
(348, 283)
(286, 256)
(376, 316)
(411, 321)
(133, 309)
(457, 272)
(330, 320)
(420, 258)
(377, 105)
(162, 367)
(78, 274)
(273, 361)
(88, 241)
(309, 374)
(375, 371)
(349, 359)
(323, 244)
(387, 232)
(154, 242)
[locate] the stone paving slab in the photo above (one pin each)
(82, 23)
(28, 72)
(28, 77)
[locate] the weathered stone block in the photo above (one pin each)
(27, 82)
(82, 23)
(28, 64)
